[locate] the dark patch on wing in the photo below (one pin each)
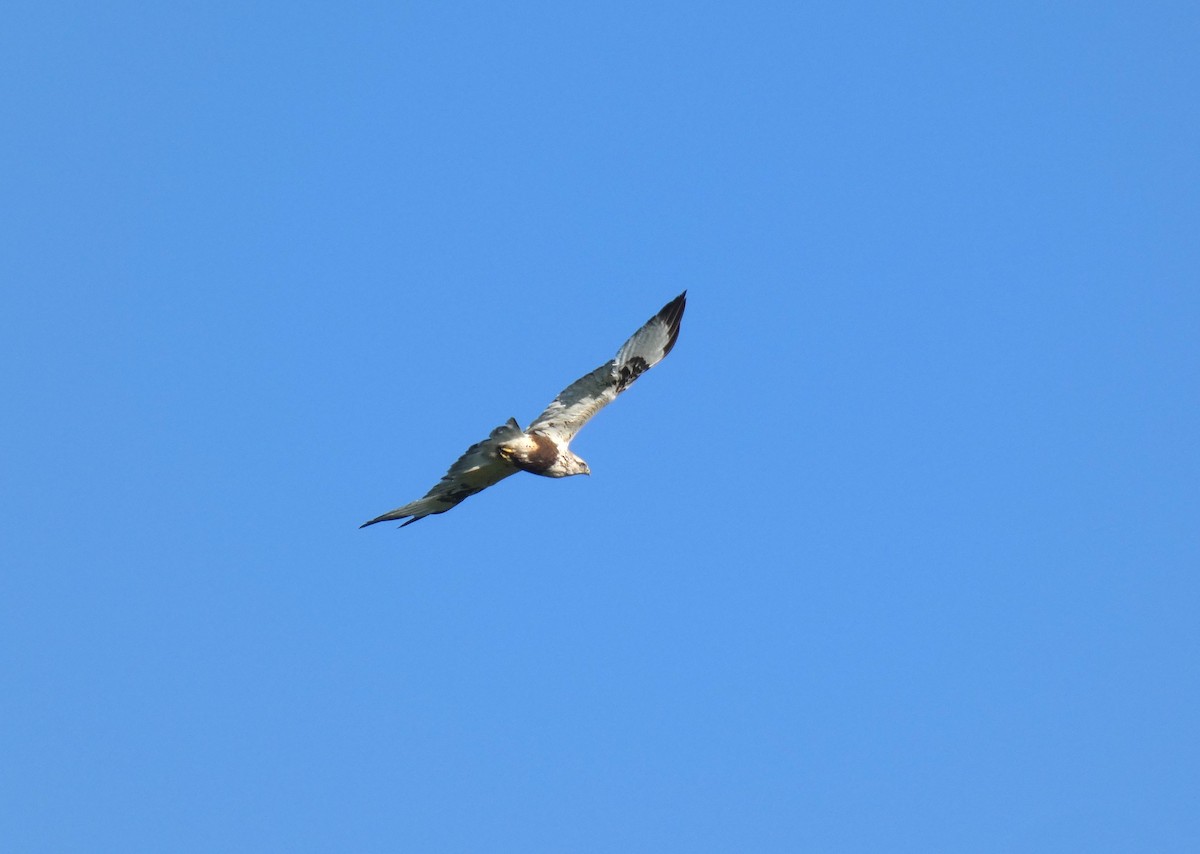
(630, 371)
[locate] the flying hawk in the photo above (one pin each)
(543, 447)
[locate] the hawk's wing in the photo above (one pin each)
(588, 395)
(476, 470)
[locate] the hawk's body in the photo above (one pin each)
(543, 448)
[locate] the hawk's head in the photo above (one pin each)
(573, 464)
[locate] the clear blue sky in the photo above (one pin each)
(897, 551)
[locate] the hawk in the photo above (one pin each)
(543, 447)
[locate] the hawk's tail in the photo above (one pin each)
(510, 429)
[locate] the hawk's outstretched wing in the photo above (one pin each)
(589, 394)
(473, 472)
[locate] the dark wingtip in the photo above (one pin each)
(386, 517)
(670, 315)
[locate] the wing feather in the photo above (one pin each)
(582, 399)
(479, 467)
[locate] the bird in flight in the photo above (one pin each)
(543, 448)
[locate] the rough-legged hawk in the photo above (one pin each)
(543, 447)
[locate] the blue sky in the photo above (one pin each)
(897, 551)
